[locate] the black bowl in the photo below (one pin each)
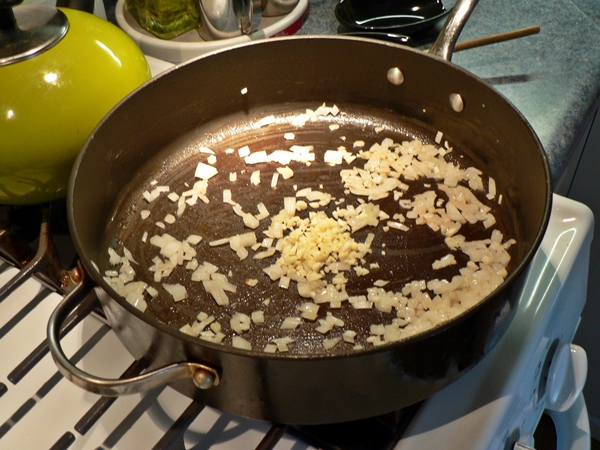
(400, 16)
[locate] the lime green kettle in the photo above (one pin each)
(61, 71)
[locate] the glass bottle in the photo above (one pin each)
(165, 19)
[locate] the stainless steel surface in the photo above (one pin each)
(444, 45)
(278, 7)
(37, 29)
(227, 18)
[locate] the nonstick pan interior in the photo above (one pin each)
(161, 121)
(399, 257)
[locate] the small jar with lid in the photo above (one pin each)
(165, 19)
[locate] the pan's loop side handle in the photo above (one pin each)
(203, 376)
(444, 45)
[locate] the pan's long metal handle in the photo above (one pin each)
(203, 376)
(444, 45)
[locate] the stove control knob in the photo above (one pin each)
(566, 377)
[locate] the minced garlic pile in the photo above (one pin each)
(310, 243)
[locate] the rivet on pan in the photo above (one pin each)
(204, 379)
(395, 76)
(456, 102)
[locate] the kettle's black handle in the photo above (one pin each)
(7, 17)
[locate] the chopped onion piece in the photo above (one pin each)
(127, 255)
(256, 158)
(242, 240)
(151, 291)
(204, 272)
(263, 212)
(309, 310)
(285, 172)
(205, 171)
(258, 317)
(445, 261)
(289, 205)
(491, 189)
(270, 348)
(240, 322)
(192, 264)
(194, 239)
(241, 343)
(265, 254)
(284, 282)
(215, 288)
(299, 120)
(397, 225)
(219, 242)
(324, 110)
(244, 151)
(255, 178)
(227, 197)
(282, 343)
(290, 323)
(177, 291)
(333, 157)
(266, 121)
(330, 343)
(349, 336)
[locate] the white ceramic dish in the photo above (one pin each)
(190, 45)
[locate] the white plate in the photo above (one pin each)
(190, 45)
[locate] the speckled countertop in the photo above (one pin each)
(553, 78)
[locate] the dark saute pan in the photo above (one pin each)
(156, 122)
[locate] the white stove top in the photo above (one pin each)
(492, 401)
(488, 408)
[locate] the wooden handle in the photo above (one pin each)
(500, 37)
